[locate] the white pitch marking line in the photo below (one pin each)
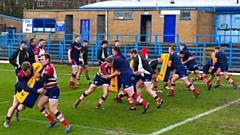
(4, 102)
(79, 126)
(179, 81)
(193, 118)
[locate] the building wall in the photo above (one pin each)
(187, 29)
(11, 23)
(205, 25)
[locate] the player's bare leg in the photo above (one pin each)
(153, 94)
(104, 97)
(79, 75)
(73, 77)
(91, 89)
(11, 111)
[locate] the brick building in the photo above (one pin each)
(187, 18)
(61, 4)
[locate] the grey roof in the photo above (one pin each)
(162, 3)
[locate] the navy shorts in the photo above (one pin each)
(127, 81)
(224, 68)
(85, 63)
(75, 63)
(53, 93)
(98, 81)
(147, 78)
(135, 79)
(193, 67)
(205, 69)
(182, 73)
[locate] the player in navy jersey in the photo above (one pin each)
(102, 78)
(192, 66)
(48, 79)
(121, 63)
(23, 77)
(144, 71)
(181, 72)
(83, 62)
(221, 60)
(39, 50)
(206, 68)
(73, 58)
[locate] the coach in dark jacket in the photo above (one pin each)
(102, 52)
(20, 55)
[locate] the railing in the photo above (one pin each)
(57, 45)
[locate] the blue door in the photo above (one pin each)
(169, 28)
(85, 29)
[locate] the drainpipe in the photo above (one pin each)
(106, 25)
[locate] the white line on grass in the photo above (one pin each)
(78, 126)
(179, 81)
(193, 118)
(4, 102)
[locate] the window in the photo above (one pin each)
(185, 15)
(65, 4)
(17, 2)
(74, 5)
(123, 15)
(50, 3)
(40, 4)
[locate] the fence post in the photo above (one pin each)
(19, 39)
(136, 42)
(200, 58)
(64, 41)
(231, 49)
(92, 58)
(49, 42)
(60, 49)
(98, 45)
(155, 44)
(160, 49)
(205, 46)
(125, 50)
(117, 37)
(177, 43)
(196, 44)
(219, 41)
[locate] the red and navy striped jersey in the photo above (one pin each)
(50, 71)
(103, 70)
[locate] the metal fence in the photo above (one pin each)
(57, 45)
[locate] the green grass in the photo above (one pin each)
(115, 119)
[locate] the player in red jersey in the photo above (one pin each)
(39, 50)
(48, 79)
(102, 78)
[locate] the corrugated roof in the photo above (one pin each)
(152, 4)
